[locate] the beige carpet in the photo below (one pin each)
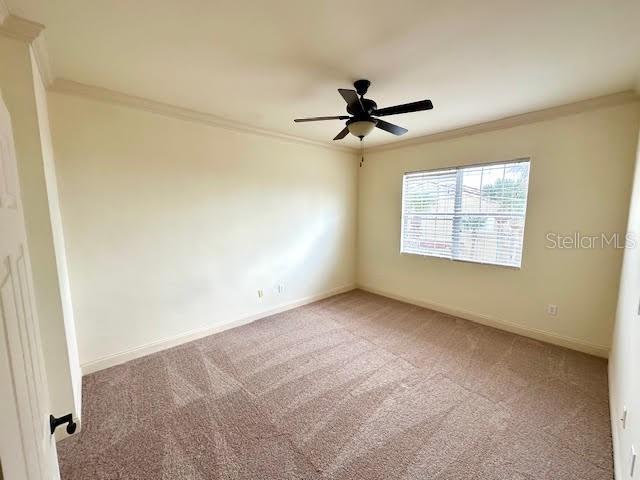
(353, 387)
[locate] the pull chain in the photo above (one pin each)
(361, 152)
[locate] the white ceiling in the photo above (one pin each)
(264, 63)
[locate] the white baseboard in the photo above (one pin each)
(568, 342)
(158, 345)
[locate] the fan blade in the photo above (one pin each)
(391, 128)
(405, 108)
(315, 119)
(352, 99)
(343, 133)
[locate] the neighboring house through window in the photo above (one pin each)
(473, 213)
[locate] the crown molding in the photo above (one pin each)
(62, 85)
(18, 27)
(31, 33)
(71, 87)
(516, 120)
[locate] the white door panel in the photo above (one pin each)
(27, 448)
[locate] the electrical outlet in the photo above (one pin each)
(552, 310)
(279, 288)
(624, 417)
(260, 293)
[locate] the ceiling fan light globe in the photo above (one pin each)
(361, 128)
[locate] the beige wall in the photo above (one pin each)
(581, 168)
(173, 226)
(624, 380)
(18, 89)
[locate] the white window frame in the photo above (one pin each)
(462, 167)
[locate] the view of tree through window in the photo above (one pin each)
(474, 213)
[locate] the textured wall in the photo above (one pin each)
(173, 226)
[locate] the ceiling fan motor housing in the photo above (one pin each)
(368, 105)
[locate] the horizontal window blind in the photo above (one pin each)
(471, 213)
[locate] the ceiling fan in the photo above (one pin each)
(363, 110)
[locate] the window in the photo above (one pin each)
(471, 213)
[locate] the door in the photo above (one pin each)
(27, 448)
